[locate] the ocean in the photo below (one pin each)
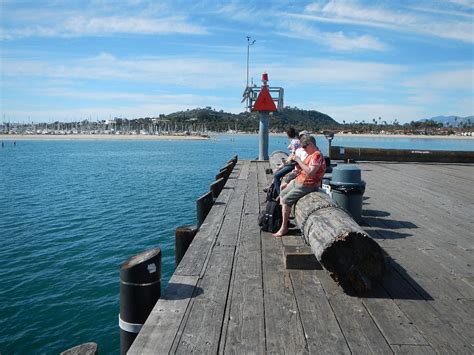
(72, 211)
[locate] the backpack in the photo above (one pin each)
(270, 219)
(271, 193)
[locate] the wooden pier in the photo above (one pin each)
(231, 293)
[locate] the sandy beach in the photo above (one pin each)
(95, 137)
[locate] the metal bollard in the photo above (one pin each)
(140, 288)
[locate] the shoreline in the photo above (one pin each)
(94, 137)
(52, 137)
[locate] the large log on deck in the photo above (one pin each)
(339, 243)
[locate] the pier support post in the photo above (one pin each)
(140, 288)
(184, 235)
(263, 135)
(216, 187)
(203, 206)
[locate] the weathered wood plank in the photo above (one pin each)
(159, 330)
(360, 331)
(390, 319)
(198, 252)
(323, 334)
(413, 349)
(283, 328)
(230, 226)
(424, 315)
(203, 327)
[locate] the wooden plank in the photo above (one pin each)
(413, 349)
(390, 319)
(244, 173)
(323, 334)
(246, 331)
(283, 328)
(159, 330)
(203, 327)
(231, 224)
(424, 315)
(198, 252)
(360, 331)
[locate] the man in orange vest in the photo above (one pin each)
(308, 180)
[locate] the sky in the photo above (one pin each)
(351, 59)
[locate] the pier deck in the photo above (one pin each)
(232, 294)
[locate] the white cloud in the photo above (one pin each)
(335, 40)
(460, 79)
(79, 25)
(334, 72)
(180, 71)
(351, 12)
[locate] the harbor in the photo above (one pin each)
(233, 293)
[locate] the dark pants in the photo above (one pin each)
(279, 174)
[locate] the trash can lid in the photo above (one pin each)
(347, 175)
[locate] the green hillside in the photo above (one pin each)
(220, 121)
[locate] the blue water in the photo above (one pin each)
(72, 211)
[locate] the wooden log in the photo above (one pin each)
(203, 206)
(216, 187)
(276, 158)
(339, 243)
(401, 155)
(83, 349)
(184, 235)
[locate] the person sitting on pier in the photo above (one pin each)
(308, 180)
(289, 165)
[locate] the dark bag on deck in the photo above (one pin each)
(270, 219)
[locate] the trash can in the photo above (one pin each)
(325, 183)
(347, 189)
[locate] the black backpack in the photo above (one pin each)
(270, 219)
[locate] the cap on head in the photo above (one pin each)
(303, 133)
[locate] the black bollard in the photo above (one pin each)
(140, 288)
(184, 235)
(216, 187)
(203, 206)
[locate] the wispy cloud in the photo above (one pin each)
(177, 71)
(335, 72)
(334, 40)
(354, 13)
(77, 26)
(459, 79)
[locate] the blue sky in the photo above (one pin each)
(351, 59)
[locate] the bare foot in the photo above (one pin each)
(280, 233)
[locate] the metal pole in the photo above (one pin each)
(263, 135)
(248, 56)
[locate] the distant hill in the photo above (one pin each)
(247, 121)
(453, 121)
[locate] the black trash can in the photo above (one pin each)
(347, 189)
(326, 183)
